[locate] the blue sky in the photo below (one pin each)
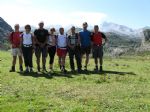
(132, 13)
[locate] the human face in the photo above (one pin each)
(96, 28)
(28, 29)
(73, 29)
(17, 27)
(41, 25)
(61, 30)
(85, 25)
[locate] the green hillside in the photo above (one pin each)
(123, 87)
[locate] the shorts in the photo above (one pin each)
(16, 52)
(86, 50)
(61, 52)
(97, 51)
(39, 50)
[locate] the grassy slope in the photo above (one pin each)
(112, 92)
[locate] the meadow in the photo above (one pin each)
(124, 86)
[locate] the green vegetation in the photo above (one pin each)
(123, 87)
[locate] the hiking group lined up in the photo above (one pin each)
(49, 43)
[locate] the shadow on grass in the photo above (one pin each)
(117, 73)
(109, 72)
(47, 75)
(69, 74)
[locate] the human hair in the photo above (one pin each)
(27, 26)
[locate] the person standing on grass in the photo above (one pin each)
(97, 45)
(27, 48)
(16, 48)
(62, 49)
(74, 49)
(85, 38)
(51, 47)
(41, 38)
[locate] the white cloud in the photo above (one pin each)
(29, 15)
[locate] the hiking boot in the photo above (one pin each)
(79, 70)
(85, 68)
(65, 71)
(27, 70)
(44, 70)
(72, 71)
(21, 68)
(38, 68)
(31, 70)
(101, 68)
(12, 69)
(96, 69)
(51, 69)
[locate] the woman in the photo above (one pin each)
(27, 48)
(62, 49)
(51, 47)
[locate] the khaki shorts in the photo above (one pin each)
(16, 51)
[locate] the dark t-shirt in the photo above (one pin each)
(41, 35)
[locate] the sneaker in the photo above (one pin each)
(63, 70)
(101, 68)
(12, 69)
(21, 68)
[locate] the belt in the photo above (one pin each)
(51, 45)
(97, 45)
(62, 47)
(25, 45)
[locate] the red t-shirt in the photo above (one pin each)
(15, 39)
(97, 38)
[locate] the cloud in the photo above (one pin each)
(31, 15)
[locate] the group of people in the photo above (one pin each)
(44, 42)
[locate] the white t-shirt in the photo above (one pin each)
(62, 41)
(52, 40)
(27, 38)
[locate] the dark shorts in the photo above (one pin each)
(97, 51)
(86, 50)
(39, 50)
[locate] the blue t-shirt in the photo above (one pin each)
(85, 38)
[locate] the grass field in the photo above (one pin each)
(123, 87)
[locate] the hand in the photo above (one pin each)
(42, 45)
(72, 47)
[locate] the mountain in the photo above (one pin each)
(120, 29)
(5, 29)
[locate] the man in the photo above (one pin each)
(74, 49)
(16, 48)
(85, 38)
(41, 38)
(97, 40)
